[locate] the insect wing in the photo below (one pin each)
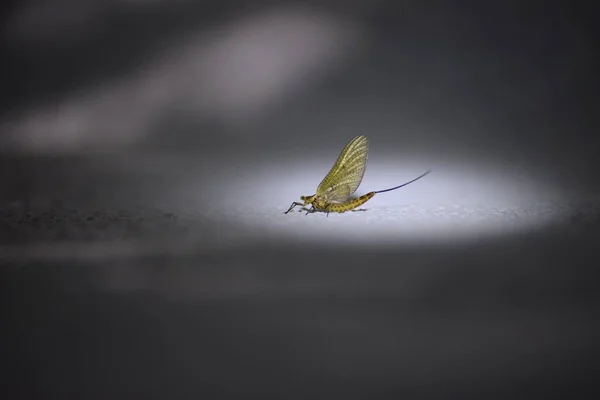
(346, 174)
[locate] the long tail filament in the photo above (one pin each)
(404, 184)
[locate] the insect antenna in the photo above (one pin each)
(404, 184)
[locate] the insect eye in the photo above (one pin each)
(302, 197)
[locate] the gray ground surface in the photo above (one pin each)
(138, 292)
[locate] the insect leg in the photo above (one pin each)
(310, 210)
(294, 204)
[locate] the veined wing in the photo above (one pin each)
(347, 172)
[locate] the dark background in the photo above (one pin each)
(93, 310)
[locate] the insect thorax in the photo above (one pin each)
(320, 202)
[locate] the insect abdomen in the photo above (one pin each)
(352, 204)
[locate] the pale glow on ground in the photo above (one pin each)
(219, 206)
(458, 201)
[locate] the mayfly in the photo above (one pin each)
(333, 193)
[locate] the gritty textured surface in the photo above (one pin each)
(163, 206)
(193, 291)
(39, 234)
(275, 317)
(482, 291)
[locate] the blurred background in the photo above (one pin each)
(148, 149)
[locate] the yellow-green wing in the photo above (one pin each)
(347, 172)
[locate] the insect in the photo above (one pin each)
(334, 191)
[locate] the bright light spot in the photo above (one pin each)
(457, 202)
